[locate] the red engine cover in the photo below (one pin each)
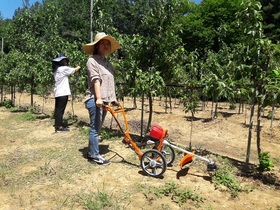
(156, 132)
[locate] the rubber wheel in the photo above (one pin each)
(153, 163)
(169, 154)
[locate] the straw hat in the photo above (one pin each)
(89, 48)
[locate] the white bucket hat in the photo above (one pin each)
(59, 57)
(89, 48)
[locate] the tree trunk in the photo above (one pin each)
(190, 144)
(11, 88)
(32, 88)
(250, 132)
(245, 116)
(260, 106)
(142, 115)
(32, 100)
(134, 102)
(216, 109)
(259, 129)
(170, 104)
(272, 115)
(2, 92)
(212, 110)
(150, 112)
(239, 108)
(13, 95)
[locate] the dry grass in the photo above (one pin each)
(40, 169)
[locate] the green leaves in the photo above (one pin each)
(162, 42)
(265, 162)
(149, 82)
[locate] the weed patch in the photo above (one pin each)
(176, 194)
(265, 162)
(224, 179)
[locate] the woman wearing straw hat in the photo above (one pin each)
(101, 88)
(61, 72)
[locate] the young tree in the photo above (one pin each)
(156, 48)
(193, 86)
(217, 74)
(256, 63)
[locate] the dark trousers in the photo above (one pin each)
(60, 105)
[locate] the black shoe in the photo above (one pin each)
(61, 129)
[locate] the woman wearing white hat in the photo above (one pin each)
(61, 72)
(101, 88)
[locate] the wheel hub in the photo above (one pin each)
(153, 163)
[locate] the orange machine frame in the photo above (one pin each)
(126, 133)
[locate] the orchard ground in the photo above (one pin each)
(41, 169)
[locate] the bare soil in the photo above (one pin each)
(41, 169)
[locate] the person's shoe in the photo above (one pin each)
(61, 129)
(100, 160)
